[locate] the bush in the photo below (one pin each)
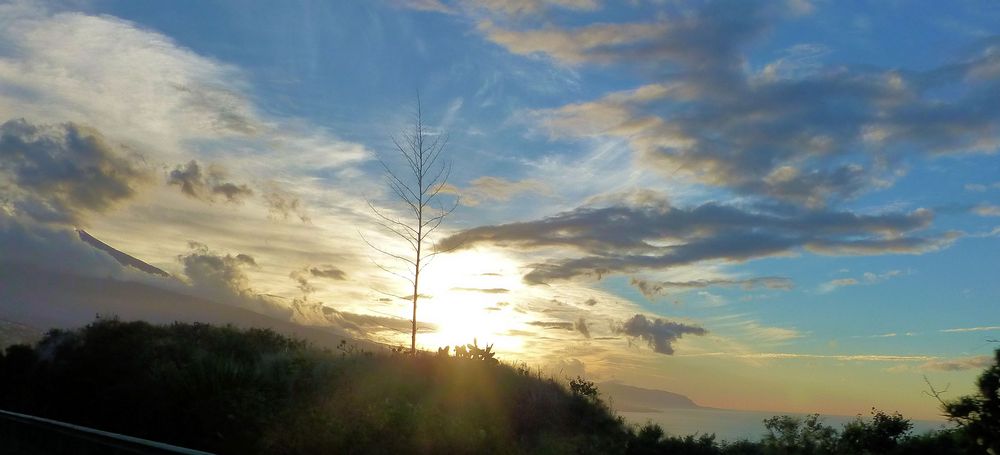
(979, 414)
(229, 390)
(881, 434)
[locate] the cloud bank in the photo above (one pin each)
(622, 239)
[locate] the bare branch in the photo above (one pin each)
(417, 190)
(387, 253)
(934, 393)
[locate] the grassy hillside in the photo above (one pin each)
(239, 391)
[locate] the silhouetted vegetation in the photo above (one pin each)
(979, 414)
(231, 390)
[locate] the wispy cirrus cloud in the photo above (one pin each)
(868, 278)
(496, 189)
(653, 289)
(960, 364)
(987, 210)
(839, 357)
(987, 328)
(503, 8)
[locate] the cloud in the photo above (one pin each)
(987, 210)
(222, 278)
(303, 275)
(282, 203)
(52, 247)
(972, 329)
(981, 187)
(483, 290)
(498, 7)
(327, 271)
(622, 239)
(652, 289)
(709, 38)
(795, 356)
(841, 282)
(142, 89)
(496, 189)
(62, 172)
(205, 186)
(867, 278)
(311, 312)
(581, 326)
(566, 368)
(562, 325)
(960, 364)
(521, 7)
(658, 333)
(809, 137)
(436, 6)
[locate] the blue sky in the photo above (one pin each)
(794, 193)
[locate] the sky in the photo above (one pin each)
(787, 206)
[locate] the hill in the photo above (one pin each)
(234, 391)
(35, 297)
(626, 398)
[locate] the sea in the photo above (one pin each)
(732, 425)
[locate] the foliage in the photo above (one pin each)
(881, 434)
(979, 414)
(791, 435)
(246, 391)
(584, 388)
(230, 390)
(474, 352)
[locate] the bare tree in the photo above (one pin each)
(417, 189)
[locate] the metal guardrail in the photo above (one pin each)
(27, 434)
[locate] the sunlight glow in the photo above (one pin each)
(470, 294)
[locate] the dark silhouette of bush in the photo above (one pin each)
(979, 414)
(237, 391)
(472, 352)
(880, 434)
(246, 391)
(793, 436)
(583, 388)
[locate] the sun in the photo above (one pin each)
(470, 295)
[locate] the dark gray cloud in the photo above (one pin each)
(804, 134)
(653, 289)
(621, 239)
(205, 186)
(328, 271)
(61, 172)
(303, 276)
(581, 326)
(658, 333)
